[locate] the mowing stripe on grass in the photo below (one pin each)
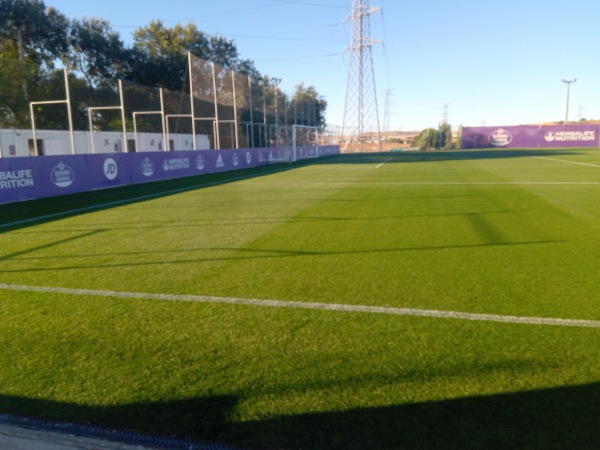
(312, 305)
(136, 199)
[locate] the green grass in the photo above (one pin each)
(500, 232)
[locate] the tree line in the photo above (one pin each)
(38, 42)
(430, 138)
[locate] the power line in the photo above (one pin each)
(298, 2)
(297, 57)
(269, 38)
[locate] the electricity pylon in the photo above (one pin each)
(360, 130)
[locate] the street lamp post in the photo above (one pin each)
(568, 82)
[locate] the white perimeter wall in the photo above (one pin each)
(15, 143)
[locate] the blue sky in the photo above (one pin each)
(489, 63)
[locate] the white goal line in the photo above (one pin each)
(311, 305)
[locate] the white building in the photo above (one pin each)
(19, 143)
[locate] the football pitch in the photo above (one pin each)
(416, 300)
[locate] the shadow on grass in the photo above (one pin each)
(23, 214)
(558, 418)
(248, 254)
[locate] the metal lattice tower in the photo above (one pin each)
(361, 131)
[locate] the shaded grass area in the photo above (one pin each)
(551, 419)
(448, 230)
(559, 418)
(264, 378)
(85, 202)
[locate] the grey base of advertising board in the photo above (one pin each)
(22, 433)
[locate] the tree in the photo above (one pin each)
(459, 143)
(307, 107)
(96, 51)
(38, 34)
(430, 138)
(427, 139)
(246, 66)
(158, 41)
(32, 39)
(445, 136)
(13, 106)
(222, 51)
(157, 57)
(159, 54)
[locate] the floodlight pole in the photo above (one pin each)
(568, 82)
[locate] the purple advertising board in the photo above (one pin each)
(49, 176)
(532, 136)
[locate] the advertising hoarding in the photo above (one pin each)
(532, 136)
(27, 178)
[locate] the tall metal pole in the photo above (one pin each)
(69, 113)
(265, 114)
(35, 146)
(122, 100)
(192, 111)
(568, 82)
(276, 82)
(216, 101)
(162, 119)
(251, 143)
(235, 116)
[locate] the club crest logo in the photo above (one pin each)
(147, 167)
(200, 162)
(62, 175)
(500, 138)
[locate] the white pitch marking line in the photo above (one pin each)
(568, 162)
(312, 305)
(445, 183)
(381, 164)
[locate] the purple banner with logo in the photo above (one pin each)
(532, 136)
(49, 176)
